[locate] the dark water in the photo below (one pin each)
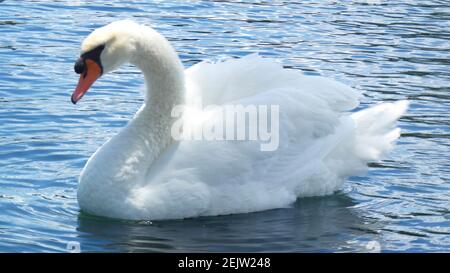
(391, 50)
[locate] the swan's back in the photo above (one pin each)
(228, 81)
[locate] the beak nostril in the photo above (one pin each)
(79, 66)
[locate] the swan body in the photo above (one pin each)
(142, 173)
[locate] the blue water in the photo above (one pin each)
(391, 50)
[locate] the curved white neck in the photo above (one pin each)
(132, 151)
(164, 77)
(163, 72)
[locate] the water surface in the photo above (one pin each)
(390, 50)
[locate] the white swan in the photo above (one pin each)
(143, 174)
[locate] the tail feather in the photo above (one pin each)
(375, 129)
(374, 133)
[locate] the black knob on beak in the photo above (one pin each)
(79, 66)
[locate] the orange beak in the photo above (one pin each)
(91, 73)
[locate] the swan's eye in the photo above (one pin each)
(93, 54)
(79, 66)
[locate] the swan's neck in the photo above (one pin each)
(163, 73)
(164, 77)
(125, 159)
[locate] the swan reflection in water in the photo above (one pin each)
(317, 224)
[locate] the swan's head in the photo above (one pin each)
(104, 50)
